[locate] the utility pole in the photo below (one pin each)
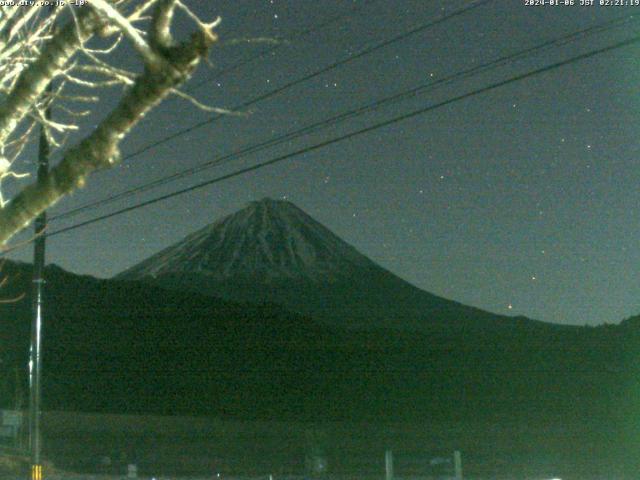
(35, 351)
(388, 465)
(457, 465)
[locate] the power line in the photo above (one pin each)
(501, 61)
(366, 51)
(474, 4)
(353, 134)
(290, 38)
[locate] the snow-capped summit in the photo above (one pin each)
(269, 239)
(271, 251)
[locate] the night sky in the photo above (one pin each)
(522, 200)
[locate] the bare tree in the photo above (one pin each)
(51, 56)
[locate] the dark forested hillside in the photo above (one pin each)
(129, 347)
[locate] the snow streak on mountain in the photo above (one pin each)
(269, 239)
(271, 251)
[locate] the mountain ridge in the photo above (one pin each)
(129, 347)
(272, 251)
(273, 238)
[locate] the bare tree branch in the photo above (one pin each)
(167, 66)
(34, 80)
(126, 27)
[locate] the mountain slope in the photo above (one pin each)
(130, 347)
(268, 240)
(271, 251)
(126, 346)
(122, 346)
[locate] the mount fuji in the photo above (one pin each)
(369, 348)
(273, 252)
